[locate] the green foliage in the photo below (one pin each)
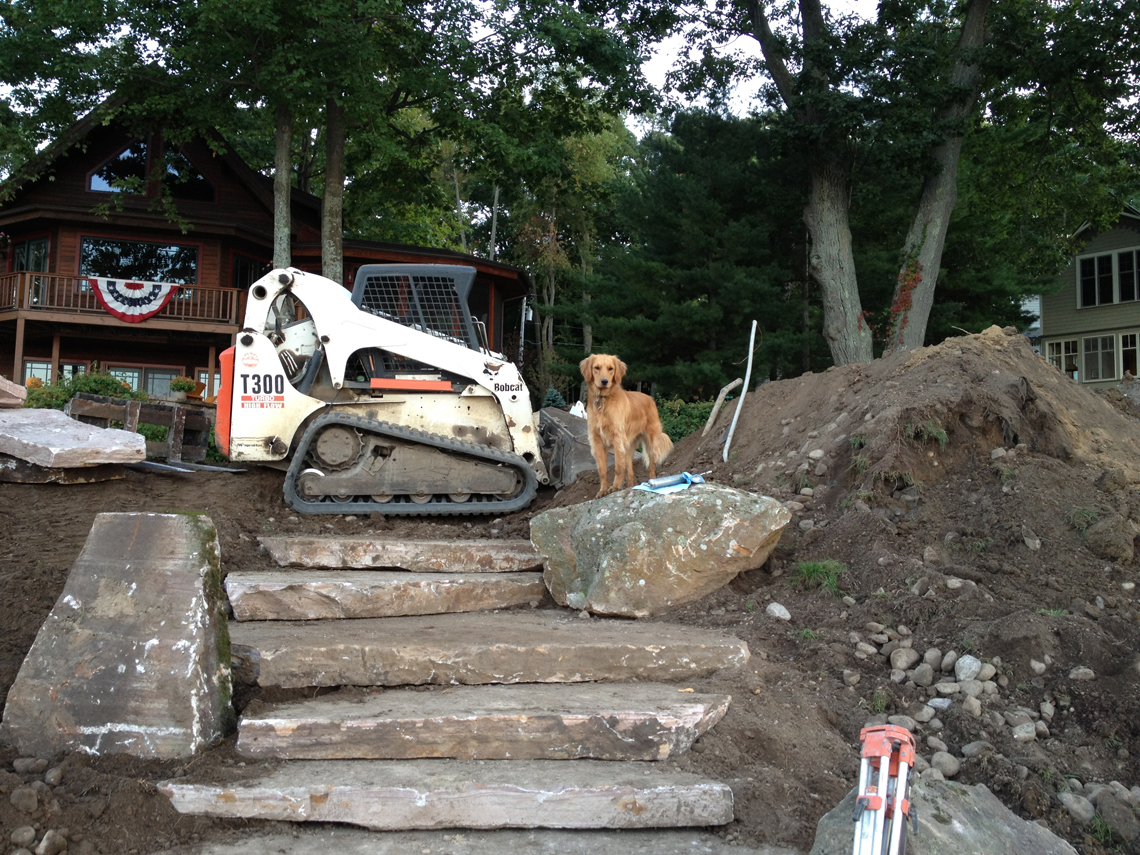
(681, 418)
(1052, 612)
(858, 441)
(553, 398)
(1100, 830)
(859, 464)
(819, 574)
(54, 396)
(1079, 519)
(808, 634)
(929, 431)
(879, 702)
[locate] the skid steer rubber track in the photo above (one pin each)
(439, 505)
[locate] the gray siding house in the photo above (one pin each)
(1090, 327)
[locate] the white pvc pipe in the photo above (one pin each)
(743, 392)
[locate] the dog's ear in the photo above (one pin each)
(619, 370)
(585, 366)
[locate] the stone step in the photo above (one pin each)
(420, 794)
(515, 647)
(636, 721)
(418, 556)
(324, 594)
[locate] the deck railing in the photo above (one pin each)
(50, 292)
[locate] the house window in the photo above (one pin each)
(158, 381)
(138, 260)
(40, 370)
(126, 172)
(70, 370)
(1100, 358)
(203, 376)
(248, 270)
(1063, 355)
(131, 376)
(123, 173)
(30, 255)
(1109, 278)
(1128, 353)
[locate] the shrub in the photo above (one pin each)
(681, 418)
(54, 396)
(553, 398)
(182, 384)
(820, 574)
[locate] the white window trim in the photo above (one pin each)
(1084, 371)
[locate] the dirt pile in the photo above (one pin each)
(964, 497)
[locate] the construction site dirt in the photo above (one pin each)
(973, 498)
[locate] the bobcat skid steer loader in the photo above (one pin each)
(384, 399)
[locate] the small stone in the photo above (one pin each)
(930, 555)
(1047, 710)
(53, 843)
(1038, 668)
(584, 614)
(947, 688)
(932, 774)
(1041, 729)
(997, 453)
(851, 678)
(24, 836)
(1025, 733)
(904, 631)
(976, 749)
(777, 611)
(946, 763)
(967, 667)
(987, 672)
(806, 525)
(972, 706)
(54, 776)
(940, 703)
(1016, 718)
(879, 638)
(24, 799)
(794, 506)
(28, 765)
(924, 675)
(1082, 674)
(903, 721)
(866, 649)
(947, 664)
(971, 688)
(924, 714)
(807, 492)
(953, 583)
(848, 601)
(1079, 808)
(872, 626)
(816, 454)
(936, 744)
(933, 658)
(898, 676)
(904, 658)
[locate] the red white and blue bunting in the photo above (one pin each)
(132, 301)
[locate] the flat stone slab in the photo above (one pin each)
(49, 438)
(133, 658)
(418, 556)
(635, 721)
(542, 647)
(12, 395)
(321, 594)
(345, 840)
(402, 795)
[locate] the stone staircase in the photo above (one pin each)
(472, 714)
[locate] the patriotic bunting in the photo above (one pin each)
(132, 301)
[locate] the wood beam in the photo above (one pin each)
(18, 365)
(210, 363)
(54, 358)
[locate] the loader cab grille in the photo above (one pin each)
(431, 298)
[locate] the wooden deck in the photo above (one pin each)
(71, 299)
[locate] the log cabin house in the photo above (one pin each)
(90, 206)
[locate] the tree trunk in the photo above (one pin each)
(922, 251)
(494, 224)
(832, 263)
(459, 210)
(332, 238)
(282, 186)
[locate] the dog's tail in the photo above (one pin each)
(660, 447)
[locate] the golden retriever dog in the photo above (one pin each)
(618, 420)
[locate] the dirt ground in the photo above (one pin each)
(907, 494)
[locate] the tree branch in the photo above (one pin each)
(773, 52)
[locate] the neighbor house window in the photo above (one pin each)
(138, 260)
(1128, 353)
(204, 377)
(1100, 358)
(1108, 278)
(30, 255)
(1063, 354)
(123, 173)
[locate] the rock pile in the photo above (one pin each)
(31, 789)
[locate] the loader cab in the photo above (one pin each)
(432, 298)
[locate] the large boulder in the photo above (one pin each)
(134, 657)
(637, 554)
(952, 820)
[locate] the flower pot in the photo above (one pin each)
(177, 396)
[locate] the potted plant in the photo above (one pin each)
(179, 386)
